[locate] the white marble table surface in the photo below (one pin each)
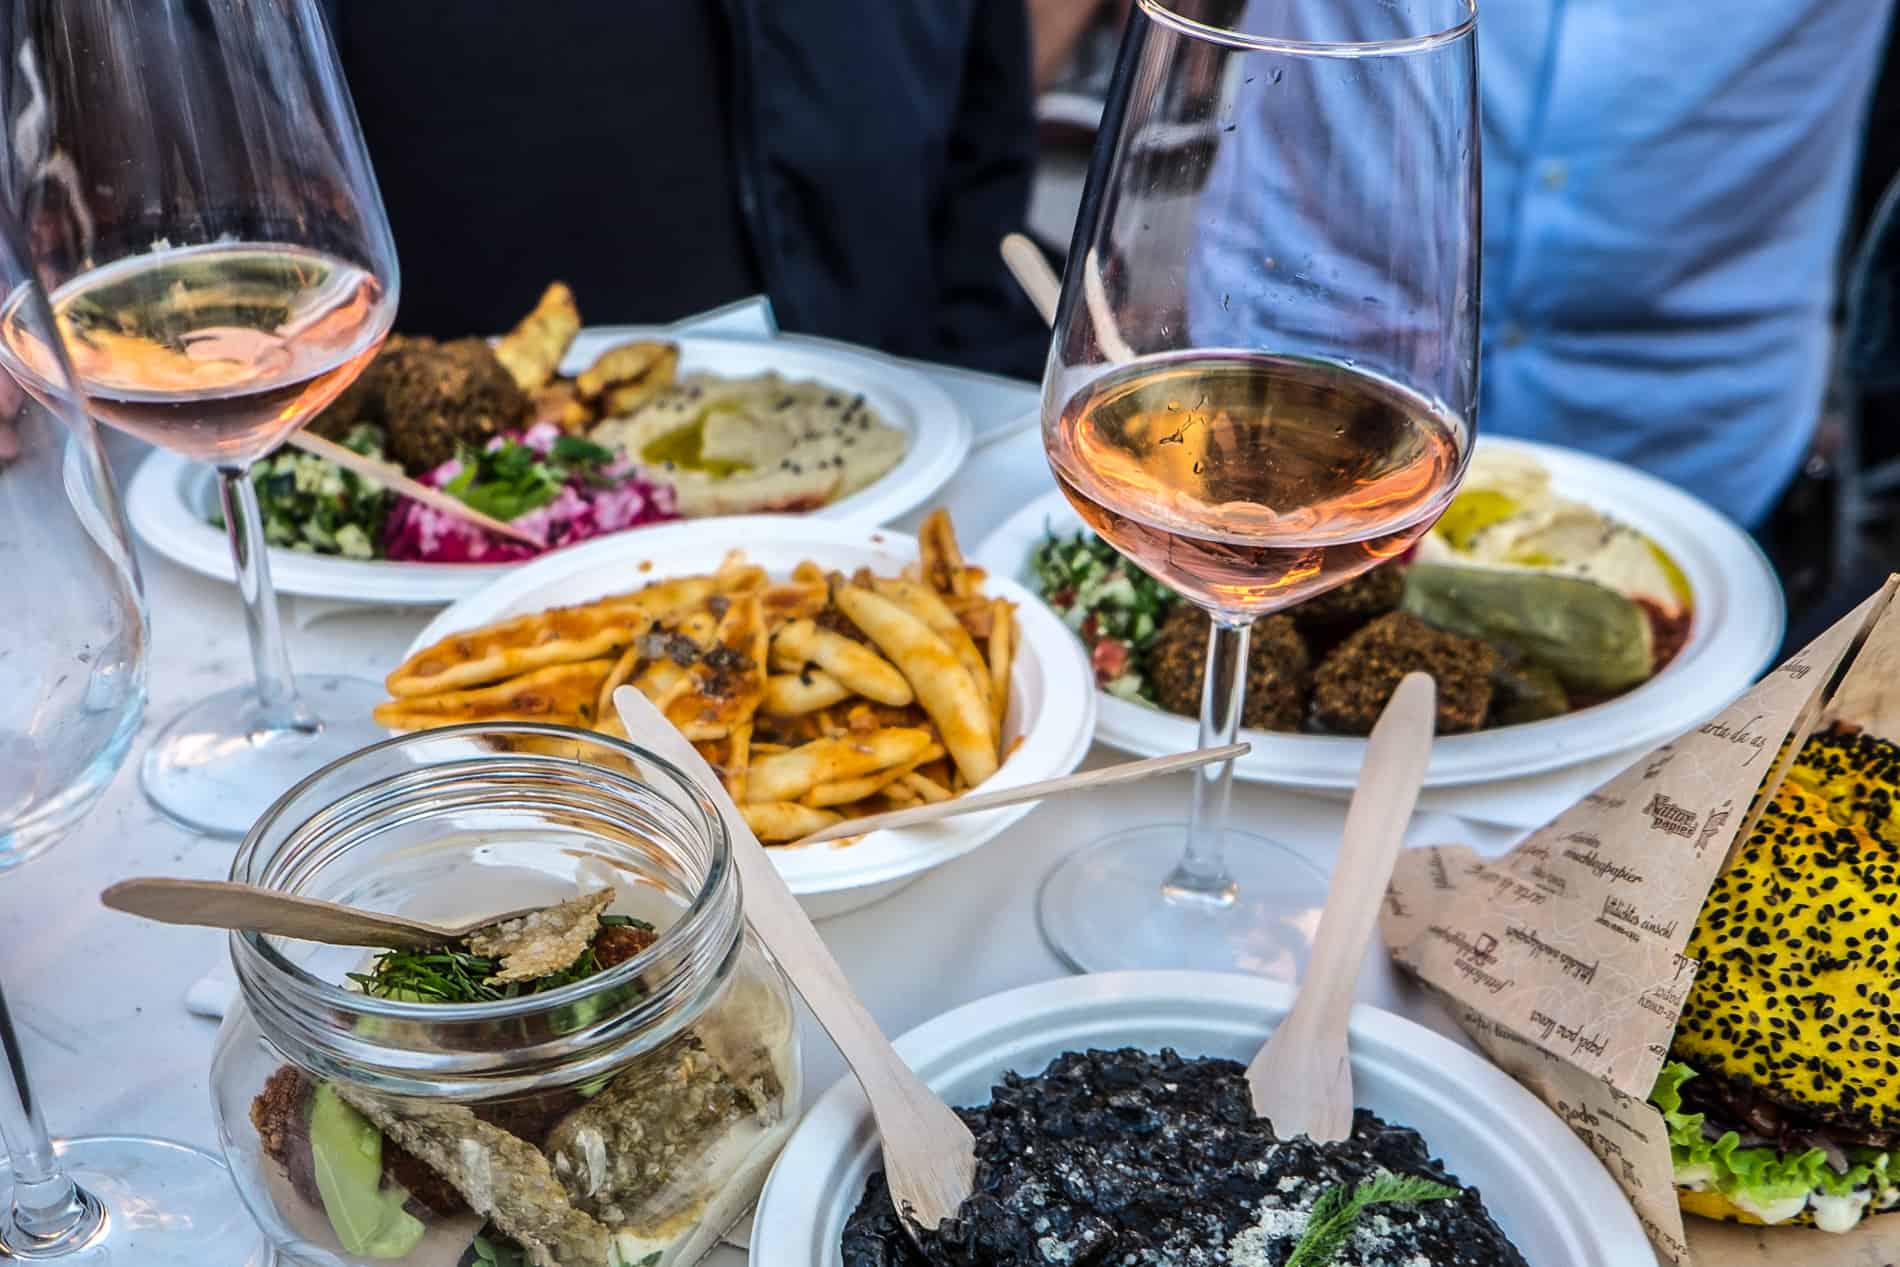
(98, 996)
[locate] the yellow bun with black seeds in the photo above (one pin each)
(1783, 1087)
(1713, 1205)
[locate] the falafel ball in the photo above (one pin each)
(1367, 595)
(431, 400)
(1352, 685)
(1278, 669)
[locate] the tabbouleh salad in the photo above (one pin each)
(1114, 606)
(316, 507)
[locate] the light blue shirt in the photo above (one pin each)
(1665, 189)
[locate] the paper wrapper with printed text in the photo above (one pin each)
(1563, 959)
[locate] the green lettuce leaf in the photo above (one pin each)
(1761, 1175)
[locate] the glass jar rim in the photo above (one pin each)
(701, 911)
(1161, 13)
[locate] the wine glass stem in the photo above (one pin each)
(50, 1213)
(1201, 875)
(278, 702)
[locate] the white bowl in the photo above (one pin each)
(1545, 1188)
(1737, 625)
(1052, 693)
(170, 498)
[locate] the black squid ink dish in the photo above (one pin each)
(1132, 1159)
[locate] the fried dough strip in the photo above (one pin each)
(948, 696)
(738, 761)
(727, 683)
(640, 361)
(509, 648)
(923, 602)
(845, 791)
(563, 694)
(1002, 651)
(777, 822)
(557, 403)
(790, 694)
(532, 351)
(857, 666)
(940, 556)
(926, 788)
(786, 776)
(795, 600)
(617, 677)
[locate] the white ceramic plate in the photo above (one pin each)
(170, 498)
(1739, 620)
(1543, 1186)
(1052, 700)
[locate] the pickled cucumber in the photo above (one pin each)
(1594, 639)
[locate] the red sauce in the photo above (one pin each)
(1669, 632)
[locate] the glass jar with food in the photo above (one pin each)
(602, 1083)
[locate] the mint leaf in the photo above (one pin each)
(579, 452)
(1329, 1225)
(506, 482)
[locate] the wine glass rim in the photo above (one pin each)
(1159, 11)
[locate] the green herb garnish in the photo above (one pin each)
(1329, 1226)
(578, 452)
(451, 975)
(512, 478)
(505, 1254)
(434, 976)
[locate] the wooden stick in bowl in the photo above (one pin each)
(386, 476)
(1126, 772)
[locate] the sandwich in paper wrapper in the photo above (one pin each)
(1697, 966)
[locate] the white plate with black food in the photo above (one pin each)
(1102, 1142)
(335, 536)
(1676, 611)
(566, 649)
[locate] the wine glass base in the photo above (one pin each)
(162, 1205)
(1103, 908)
(217, 767)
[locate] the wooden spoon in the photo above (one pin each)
(1041, 789)
(929, 1154)
(1302, 1078)
(1030, 268)
(228, 904)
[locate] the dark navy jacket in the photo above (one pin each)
(879, 151)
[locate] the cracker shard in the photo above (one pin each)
(502, 1177)
(543, 942)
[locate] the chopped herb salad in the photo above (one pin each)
(1115, 607)
(314, 506)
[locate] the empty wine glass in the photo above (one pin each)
(200, 208)
(1261, 385)
(72, 692)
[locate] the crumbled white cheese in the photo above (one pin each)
(1273, 1224)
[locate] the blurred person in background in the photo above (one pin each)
(1665, 193)
(856, 162)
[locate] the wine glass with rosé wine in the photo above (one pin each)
(200, 209)
(72, 694)
(1262, 384)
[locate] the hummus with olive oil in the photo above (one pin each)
(745, 445)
